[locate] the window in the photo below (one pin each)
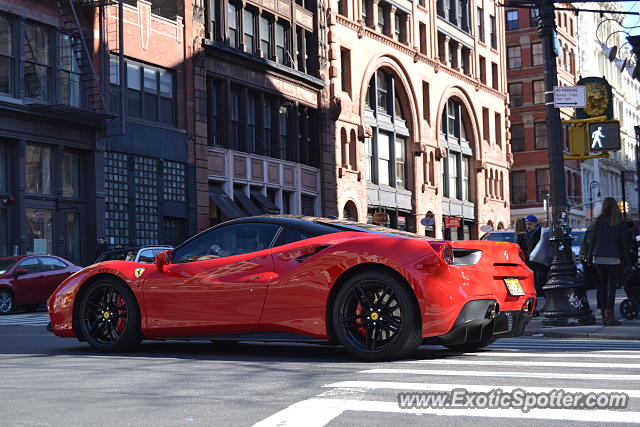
(71, 174)
(291, 235)
(399, 30)
(69, 74)
(37, 62)
(6, 55)
(146, 200)
(345, 70)
(266, 39)
(542, 184)
(426, 104)
(485, 124)
(423, 39)
(146, 255)
(252, 117)
(267, 114)
(39, 231)
(493, 36)
(514, 54)
(512, 20)
(538, 91)
(498, 128)
(480, 24)
(456, 174)
(519, 187)
(382, 19)
(400, 161)
(483, 69)
(307, 205)
(495, 78)
(364, 12)
(517, 138)
(235, 119)
(282, 46)
(166, 97)
(536, 54)
(150, 84)
(32, 265)
(174, 181)
(52, 264)
(3, 168)
(540, 130)
(248, 25)
(533, 17)
(233, 25)
(452, 175)
(515, 94)
(134, 100)
(342, 7)
(225, 241)
(38, 169)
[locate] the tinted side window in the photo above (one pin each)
(51, 264)
(30, 264)
(146, 256)
(290, 235)
(226, 241)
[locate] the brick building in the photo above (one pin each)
(530, 179)
(422, 118)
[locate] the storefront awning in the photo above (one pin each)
(246, 203)
(224, 202)
(267, 204)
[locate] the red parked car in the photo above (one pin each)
(27, 281)
(376, 291)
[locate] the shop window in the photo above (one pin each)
(38, 169)
(307, 205)
(71, 174)
(39, 231)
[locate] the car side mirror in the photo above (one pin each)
(162, 259)
(215, 250)
(20, 271)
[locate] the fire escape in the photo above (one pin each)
(84, 71)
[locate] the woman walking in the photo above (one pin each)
(609, 250)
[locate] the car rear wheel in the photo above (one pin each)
(6, 301)
(109, 316)
(375, 317)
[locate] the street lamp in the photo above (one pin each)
(593, 186)
(565, 295)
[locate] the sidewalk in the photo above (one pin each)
(629, 330)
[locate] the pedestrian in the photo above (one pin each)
(102, 247)
(609, 248)
(521, 231)
(531, 239)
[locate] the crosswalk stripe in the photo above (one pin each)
(407, 386)
(318, 412)
(564, 363)
(35, 319)
(523, 374)
(594, 355)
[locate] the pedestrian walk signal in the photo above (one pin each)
(624, 206)
(604, 136)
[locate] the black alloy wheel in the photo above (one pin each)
(629, 309)
(375, 317)
(7, 302)
(109, 316)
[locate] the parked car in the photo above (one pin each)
(27, 281)
(376, 291)
(137, 254)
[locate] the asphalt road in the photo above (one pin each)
(49, 381)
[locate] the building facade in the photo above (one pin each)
(530, 177)
(603, 177)
(418, 115)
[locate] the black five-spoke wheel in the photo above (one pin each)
(109, 316)
(6, 301)
(375, 318)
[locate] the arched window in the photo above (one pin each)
(457, 168)
(385, 151)
(350, 212)
(500, 226)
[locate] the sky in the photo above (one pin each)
(632, 20)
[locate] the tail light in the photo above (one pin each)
(444, 250)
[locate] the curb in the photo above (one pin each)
(549, 332)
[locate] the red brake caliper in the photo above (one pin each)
(122, 321)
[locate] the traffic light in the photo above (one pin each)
(578, 145)
(624, 206)
(604, 136)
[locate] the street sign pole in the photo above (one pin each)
(624, 195)
(565, 297)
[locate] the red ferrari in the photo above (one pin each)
(377, 292)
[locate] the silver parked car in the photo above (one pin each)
(138, 254)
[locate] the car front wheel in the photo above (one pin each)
(375, 317)
(109, 316)
(6, 301)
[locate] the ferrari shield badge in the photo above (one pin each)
(138, 272)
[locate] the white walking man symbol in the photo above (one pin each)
(596, 137)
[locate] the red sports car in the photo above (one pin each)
(27, 281)
(376, 291)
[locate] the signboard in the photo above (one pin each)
(486, 228)
(452, 222)
(604, 136)
(569, 96)
(599, 98)
(380, 217)
(427, 221)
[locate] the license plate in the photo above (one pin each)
(514, 287)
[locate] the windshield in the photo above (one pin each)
(576, 237)
(118, 256)
(369, 228)
(6, 264)
(501, 237)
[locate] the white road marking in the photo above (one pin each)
(603, 355)
(317, 412)
(28, 319)
(405, 386)
(565, 363)
(522, 374)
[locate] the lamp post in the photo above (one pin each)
(566, 301)
(593, 186)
